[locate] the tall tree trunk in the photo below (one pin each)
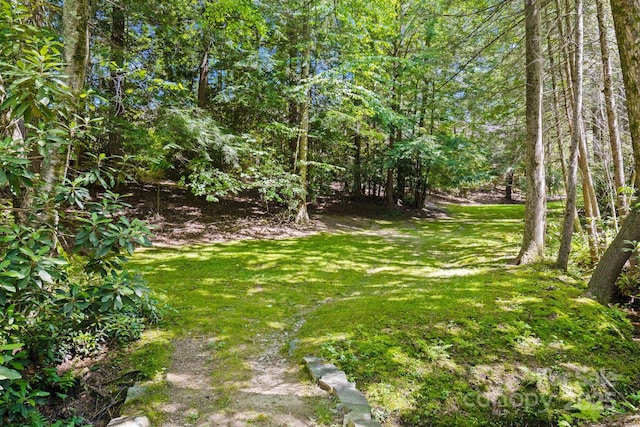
(626, 18)
(612, 112)
(388, 190)
(591, 208)
(536, 202)
(302, 216)
(117, 88)
(76, 56)
(556, 112)
(567, 228)
(203, 78)
(570, 68)
(357, 163)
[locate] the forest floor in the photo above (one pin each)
(179, 218)
(247, 312)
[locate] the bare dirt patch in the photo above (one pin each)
(273, 396)
(180, 218)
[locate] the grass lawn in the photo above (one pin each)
(425, 315)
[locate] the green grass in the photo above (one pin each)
(425, 315)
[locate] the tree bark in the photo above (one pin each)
(535, 204)
(76, 42)
(603, 280)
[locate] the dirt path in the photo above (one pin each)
(275, 395)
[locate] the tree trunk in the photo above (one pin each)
(567, 228)
(357, 163)
(626, 18)
(76, 42)
(115, 147)
(302, 216)
(536, 204)
(612, 113)
(509, 185)
(76, 56)
(203, 78)
(591, 208)
(603, 280)
(389, 184)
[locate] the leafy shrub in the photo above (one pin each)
(64, 287)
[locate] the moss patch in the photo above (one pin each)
(424, 314)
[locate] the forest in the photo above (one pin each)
(438, 198)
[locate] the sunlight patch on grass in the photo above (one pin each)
(277, 325)
(452, 272)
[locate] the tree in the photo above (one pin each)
(612, 112)
(302, 217)
(536, 204)
(576, 142)
(626, 18)
(117, 77)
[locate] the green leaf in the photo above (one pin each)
(45, 276)
(11, 347)
(9, 374)
(8, 286)
(14, 274)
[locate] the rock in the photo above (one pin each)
(350, 397)
(333, 379)
(137, 421)
(359, 413)
(330, 378)
(309, 360)
(363, 423)
(318, 370)
(135, 392)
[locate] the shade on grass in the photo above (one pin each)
(424, 314)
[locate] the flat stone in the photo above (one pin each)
(138, 390)
(363, 423)
(358, 413)
(319, 370)
(334, 379)
(350, 397)
(137, 421)
(309, 359)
